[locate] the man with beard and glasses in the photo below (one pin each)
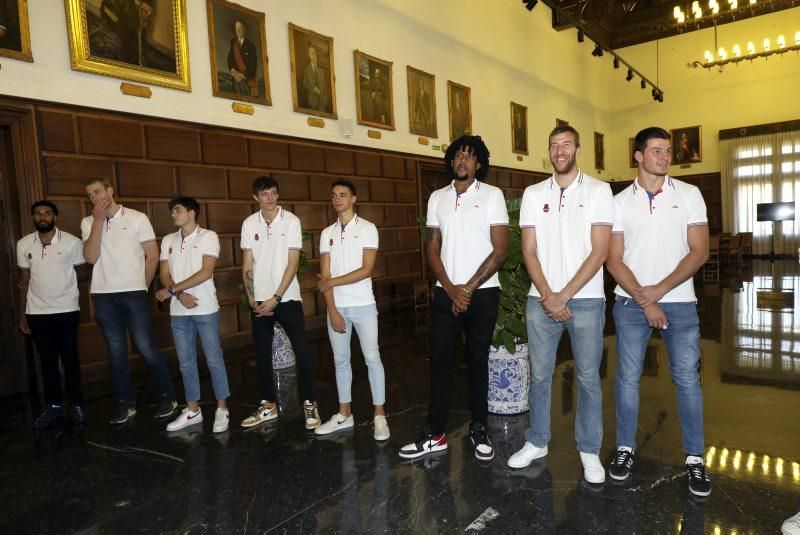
(467, 243)
(659, 241)
(47, 260)
(566, 226)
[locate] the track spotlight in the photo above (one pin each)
(630, 75)
(616, 63)
(642, 84)
(580, 36)
(530, 4)
(598, 50)
(654, 93)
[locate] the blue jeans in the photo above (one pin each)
(117, 313)
(184, 331)
(682, 338)
(365, 321)
(586, 334)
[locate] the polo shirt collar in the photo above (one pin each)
(668, 182)
(475, 186)
(353, 221)
(277, 217)
(120, 213)
(191, 236)
(55, 240)
(575, 183)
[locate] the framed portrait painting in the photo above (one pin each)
(421, 102)
(15, 35)
(145, 41)
(519, 128)
(458, 104)
(237, 38)
(313, 78)
(599, 151)
(631, 156)
(687, 145)
(374, 98)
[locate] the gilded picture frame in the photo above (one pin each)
(631, 153)
(459, 109)
(421, 102)
(142, 42)
(237, 40)
(519, 129)
(599, 151)
(15, 37)
(313, 72)
(374, 94)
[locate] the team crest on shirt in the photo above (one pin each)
(330, 243)
(170, 250)
(30, 256)
(546, 208)
(256, 237)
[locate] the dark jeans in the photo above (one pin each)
(54, 335)
(290, 315)
(117, 313)
(478, 324)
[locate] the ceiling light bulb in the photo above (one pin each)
(696, 8)
(781, 41)
(752, 2)
(734, 4)
(681, 18)
(715, 8)
(722, 54)
(737, 50)
(709, 56)
(797, 38)
(676, 12)
(766, 44)
(751, 48)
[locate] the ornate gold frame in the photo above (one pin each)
(451, 86)
(513, 131)
(292, 58)
(212, 38)
(82, 59)
(673, 133)
(24, 36)
(411, 92)
(357, 55)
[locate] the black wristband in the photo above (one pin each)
(277, 298)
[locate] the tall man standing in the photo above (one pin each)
(271, 241)
(47, 260)
(659, 241)
(348, 249)
(466, 245)
(121, 244)
(566, 226)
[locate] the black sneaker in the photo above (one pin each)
(125, 411)
(51, 415)
(426, 443)
(78, 414)
(479, 437)
(699, 483)
(620, 467)
(165, 409)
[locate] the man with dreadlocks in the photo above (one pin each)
(467, 243)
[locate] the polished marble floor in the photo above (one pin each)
(280, 479)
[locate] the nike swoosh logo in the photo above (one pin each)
(192, 417)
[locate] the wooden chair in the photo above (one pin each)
(735, 248)
(746, 244)
(724, 244)
(711, 267)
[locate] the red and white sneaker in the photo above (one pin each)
(425, 444)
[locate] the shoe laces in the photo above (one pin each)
(309, 408)
(622, 458)
(697, 471)
(77, 410)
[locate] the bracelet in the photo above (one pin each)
(170, 290)
(277, 298)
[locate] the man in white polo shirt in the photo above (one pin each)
(566, 226)
(348, 249)
(659, 241)
(188, 257)
(466, 245)
(271, 241)
(47, 260)
(121, 244)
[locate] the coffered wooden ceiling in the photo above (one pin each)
(620, 23)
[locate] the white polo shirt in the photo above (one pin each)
(185, 257)
(346, 246)
(655, 231)
(53, 287)
(465, 221)
(563, 220)
(270, 244)
(120, 267)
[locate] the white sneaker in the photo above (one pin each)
(262, 414)
(185, 419)
(381, 428)
(791, 526)
(336, 423)
(526, 455)
(221, 418)
(593, 470)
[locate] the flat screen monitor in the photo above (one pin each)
(775, 211)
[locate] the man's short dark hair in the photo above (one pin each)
(187, 202)
(48, 204)
(563, 129)
(264, 182)
(344, 183)
(652, 132)
(473, 144)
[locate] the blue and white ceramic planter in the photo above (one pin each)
(509, 379)
(282, 354)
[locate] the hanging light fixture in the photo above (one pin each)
(737, 55)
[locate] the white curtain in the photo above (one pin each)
(760, 169)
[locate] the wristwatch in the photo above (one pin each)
(277, 298)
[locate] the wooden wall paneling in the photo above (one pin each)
(202, 182)
(306, 158)
(368, 164)
(69, 216)
(109, 137)
(224, 149)
(408, 239)
(309, 304)
(362, 189)
(405, 191)
(394, 167)
(398, 264)
(491, 177)
(240, 183)
(413, 214)
(144, 179)
(179, 144)
(503, 178)
(320, 188)
(381, 190)
(387, 240)
(380, 266)
(228, 320)
(292, 186)
(67, 175)
(227, 282)
(57, 131)
(311, 216)
(374, 213)
(517, 180)
(411, 169)
(339, 162)
(396, 216)
(226, 257)
(91, 345)
(227, 217)
(268, 154)
(161, 219)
